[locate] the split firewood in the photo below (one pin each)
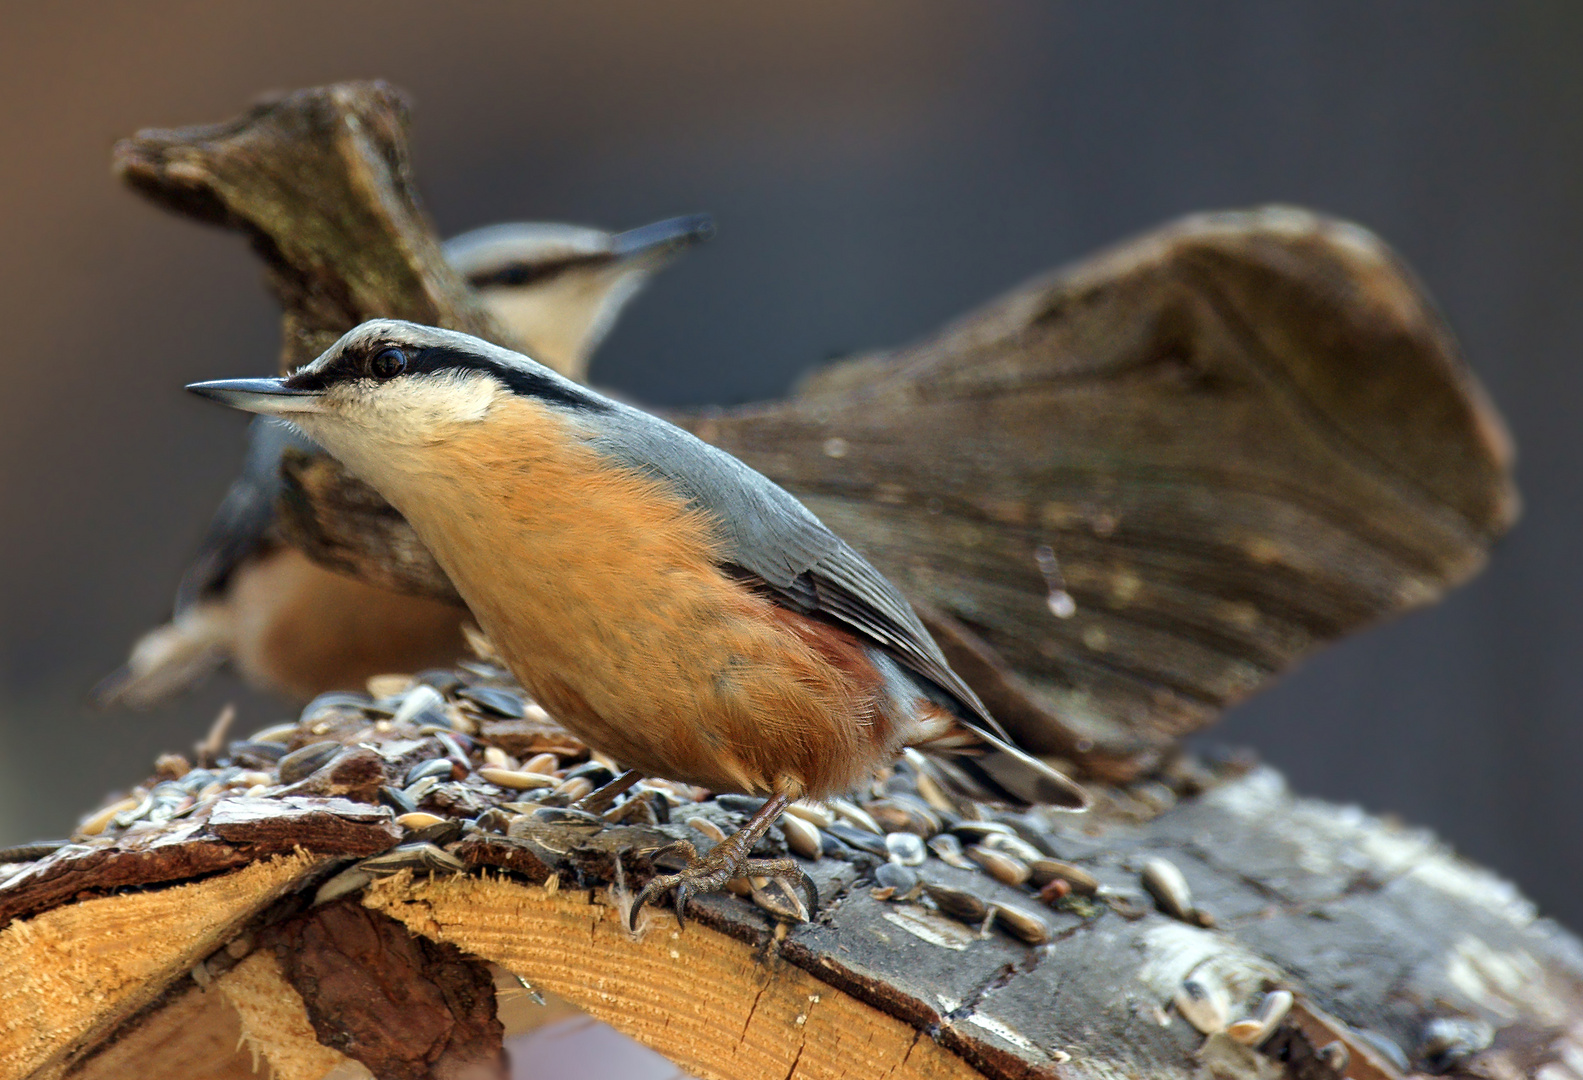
(1206, 922)
(1125, 496)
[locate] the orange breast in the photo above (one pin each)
(603, 593)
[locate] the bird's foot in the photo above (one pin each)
(709, 873)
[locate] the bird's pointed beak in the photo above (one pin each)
(270, 397)
(663, 238)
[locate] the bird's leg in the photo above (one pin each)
(726, 862)
(599, 800)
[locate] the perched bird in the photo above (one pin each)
(294, 627)
(670, 606)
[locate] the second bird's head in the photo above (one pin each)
(387, 389)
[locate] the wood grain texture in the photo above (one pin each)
(192, 1034)
(1225, 444)
(72, 974)
(707, 1003)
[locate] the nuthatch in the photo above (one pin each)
(667, 604)
(292, 626)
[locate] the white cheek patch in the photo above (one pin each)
(415, 409)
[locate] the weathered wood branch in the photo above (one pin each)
(1127, 495)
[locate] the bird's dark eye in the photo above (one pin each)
(388, 363)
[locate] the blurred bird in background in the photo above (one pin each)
(293, 627)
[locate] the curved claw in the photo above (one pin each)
(648, 893)
(684, 893)
(813, 894)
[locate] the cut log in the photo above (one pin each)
(1139, 940)
(1125, 496)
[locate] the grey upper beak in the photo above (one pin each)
(670, 234)
(268, 396)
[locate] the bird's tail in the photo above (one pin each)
(166, 660)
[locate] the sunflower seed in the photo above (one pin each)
(442, 679)
(98, 821)
(1046, 870)
(419, 820)
(421, 701)
(855, 815)
(956, 903)
(1004, 868)
(352, 879)
(861, 839)
(416, 793)
(257, 754)
(517, 780)
(1022, 923)
(499, 702)
(439, 768)
(897, 814)
(972, 832)
(949, 850)
(1262, 1024)
(497, 758)
(1203, 1005)
(1014, 846)
(494, 820)
(567, 817)
(802, 836)
(707, 827)
(1165, 883)
(1448, 1040)
(542, 763)
(812, 813)
(574, 787)
(775, 898)
(303, 763)
(335, 701)
(902, 879)
(386, 686)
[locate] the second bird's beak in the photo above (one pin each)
(662, 238)
(271, 397)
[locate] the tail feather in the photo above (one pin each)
(167, 660)
(1012, 772)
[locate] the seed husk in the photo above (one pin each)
(441, 768)
(419, 857)
(352, 879)
(906, 848)
(1203, 1005)
(1262, 1024)
(897, 815)
(303, 763)
(99, 820)
(276, 733)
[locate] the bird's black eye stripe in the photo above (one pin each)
(388, 361)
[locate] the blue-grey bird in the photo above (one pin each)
(669, 605)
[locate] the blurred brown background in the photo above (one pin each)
(876, 168)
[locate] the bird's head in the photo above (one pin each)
(559, 288)
(388, 388)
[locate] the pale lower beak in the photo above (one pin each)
(272, 397)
